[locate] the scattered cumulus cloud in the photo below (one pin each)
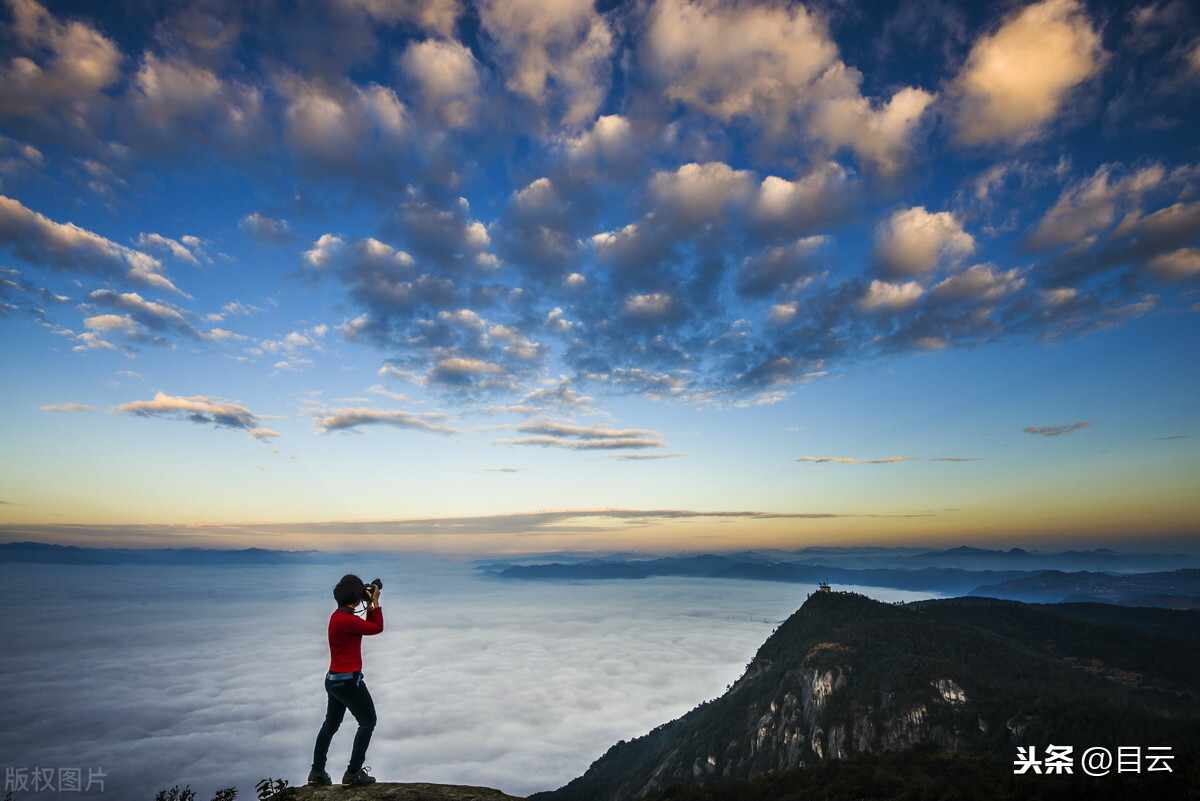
(63, 65)
(1057, 431)
(69, 407)
(1018, 79)
(447, 79)
(175, 248)
(914, 241)
(888, 295)
(1177, 265)
(979, 282)
(776, 66)
(199, 409)
(67, 247)
(575, 437)
(330, 420)
(746, 217)
(1091, 208)
(435, 16)
(553, 53)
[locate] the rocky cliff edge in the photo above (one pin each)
(389, 791)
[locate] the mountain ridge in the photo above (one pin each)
(846, 675)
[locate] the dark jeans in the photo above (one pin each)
(346, 694)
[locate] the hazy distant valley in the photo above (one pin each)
(1166, 580)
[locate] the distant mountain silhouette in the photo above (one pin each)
(1179, 588)
(1011, 574)
(846, 675)
(934, 579)
(44, 553)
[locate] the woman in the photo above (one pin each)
(344, 684)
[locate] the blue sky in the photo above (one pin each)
(754, 274)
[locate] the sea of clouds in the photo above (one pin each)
(212, 677)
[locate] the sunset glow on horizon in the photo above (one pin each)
(516, 276)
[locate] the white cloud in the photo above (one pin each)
(914, 241)
(611, 138)
(651, 305)
(323, 251)
(979, 282)
(69, 407)
(1058, 296)
(556, 321)
(199, 409)
(65, 246)
(543, 681)
(806, 202)
(346, 419)
(886, 295)
(361, 131)
(554, 52)
(772, 64)
(783, 312)
(152, 314)
(439, 16)
(111, 322)
(167, 245)
(293, 343)
(550, 434)
(515, 344)
(561, 394)
(379, 389)
(881, 133)
(447, 79)
(172, 97)
(539, 194)
(737, 60)
(64, 64)
(696, 194)
(1178, 265)
(1090, 208)
(467, 372)
(1018, 79)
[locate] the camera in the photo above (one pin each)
(370, 590)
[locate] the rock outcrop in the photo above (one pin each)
(389, 791)
(846, 675)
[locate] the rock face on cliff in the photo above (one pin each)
(386, 791)
(846, 675)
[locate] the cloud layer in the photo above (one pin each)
(510, 685)
(694, 179)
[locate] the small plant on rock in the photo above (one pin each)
(269, 788)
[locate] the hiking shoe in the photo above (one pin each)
(319, 777)
(358, 777)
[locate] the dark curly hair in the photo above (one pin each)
(349, 591)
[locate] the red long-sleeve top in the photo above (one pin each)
(346, 631)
